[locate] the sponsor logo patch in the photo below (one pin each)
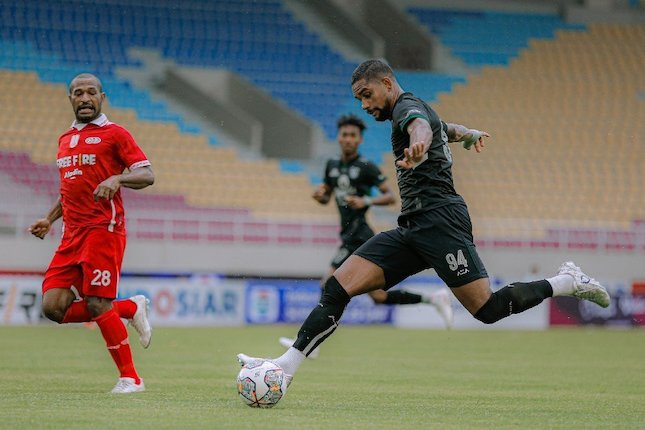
(74, 141)
(93, 140)
(413, 111)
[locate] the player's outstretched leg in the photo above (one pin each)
(520, 296)
(320, 324)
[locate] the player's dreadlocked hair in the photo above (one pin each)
(351, 119)
(371, 69)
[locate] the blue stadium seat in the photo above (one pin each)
(488, 37)
(247, 36)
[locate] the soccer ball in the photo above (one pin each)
(261, 384)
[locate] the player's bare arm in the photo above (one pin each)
(137, 179)
(322, 194)
(41, 227)
(385, 198)
(420, 134)
(460, 133)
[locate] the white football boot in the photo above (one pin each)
(140, 320)
(585, 287)
(127, 386)
(287, 342)
(244, 359)
(442, 302)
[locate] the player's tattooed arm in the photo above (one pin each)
(137, 179)
(41, 227)
(470, 137)
(322, 194)
(456, 132)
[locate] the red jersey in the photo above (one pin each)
(88, 154)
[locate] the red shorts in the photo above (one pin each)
(88, 260)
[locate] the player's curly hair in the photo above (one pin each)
(351, 119)
(371, 69)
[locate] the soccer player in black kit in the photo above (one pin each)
(434, 226)
(349, 179)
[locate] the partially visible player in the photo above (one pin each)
(95, 159)
(434, 226)
(349, 179)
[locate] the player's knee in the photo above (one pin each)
(55, 303)
(98, 305)
(492, 311)
(54, 312)
(334, 293)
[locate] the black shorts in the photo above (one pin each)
(343, 253)
(440, 239)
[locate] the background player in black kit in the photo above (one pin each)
(434, 226)
(349, 179)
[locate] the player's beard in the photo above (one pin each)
(383, 114)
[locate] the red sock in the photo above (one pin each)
(125, 308)
(77, 313)
(116, 339)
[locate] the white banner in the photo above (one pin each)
(198, 300)
(20, 300)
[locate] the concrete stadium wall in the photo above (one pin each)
(29, 254)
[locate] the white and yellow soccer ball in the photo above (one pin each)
(261, 384)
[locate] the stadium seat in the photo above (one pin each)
(549, 159)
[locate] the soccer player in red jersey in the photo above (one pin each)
(95, 158)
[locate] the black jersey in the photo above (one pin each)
(354, 178)
(429, 185)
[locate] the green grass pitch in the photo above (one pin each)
(365, 378)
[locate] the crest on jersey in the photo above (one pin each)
(74, 141)
(354, 171)
(334, 172)
(343, 182)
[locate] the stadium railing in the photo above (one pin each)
(186, 226)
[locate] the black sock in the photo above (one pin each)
(513, 299)
(399, 297)
(323, 319)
